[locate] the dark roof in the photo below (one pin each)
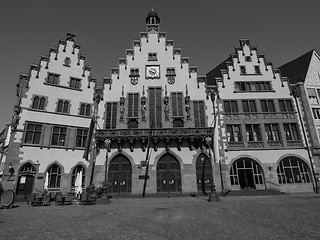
(216, 72)
(296, 70)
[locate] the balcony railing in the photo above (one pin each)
(259, 115)
(294, 144)
(255, 145)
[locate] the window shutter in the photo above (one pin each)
(46, 135)
(72, 137)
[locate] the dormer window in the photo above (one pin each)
(152, 56)
(243, 70)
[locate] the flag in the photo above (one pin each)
(89, 140)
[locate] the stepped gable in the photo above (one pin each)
(297, 69)
(243, 53)
(152, 21)
(71, 58)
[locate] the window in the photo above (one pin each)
(293, 170)
(199, 114)
(58, 136)
(53, 78)
(111, 115)
(133, 105)
(234, 133)
(33, 133)
(85, 109)
(63, 106)
(230, 106)
(177, 104)
(267, 106)
(171, 71)
(152, 56)
(243, 70)
(155, 103)
(79, 168)
(67, 62)
(257, 70)
(75, 83)
(312, 96)
(54, 174)
(81, 138)
(134, 72)
(253, 86)
(253, 132)
(272, 132)
(38, 102)
(292, 131)
(248, 59)
(249, 106)
(286, 105)
(316, 113)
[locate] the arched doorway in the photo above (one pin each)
(168, 174)
(120, 175)
(246, 174)
(292, 170)
(25, 180)
(204, 173)
(77, 169)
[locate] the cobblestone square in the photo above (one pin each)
(235, 217)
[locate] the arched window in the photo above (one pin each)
(35, 103)
(79, 168)
(88, 110)
(59, 107)
(54, 174)
(42, 103)
(63, 106)
(293, 170)
(66, 107)
(82, 109)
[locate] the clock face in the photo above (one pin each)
(152, 71)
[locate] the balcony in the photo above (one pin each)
(168, 137)
(274, 144)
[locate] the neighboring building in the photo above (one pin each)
(51, 121)
(304, 76)
(260, 140)
(4, 144)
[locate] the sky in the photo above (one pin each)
(207, 32)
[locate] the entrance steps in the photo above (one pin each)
(252, 192)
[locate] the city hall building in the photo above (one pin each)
(156, 118)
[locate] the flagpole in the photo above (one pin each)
(147, 161)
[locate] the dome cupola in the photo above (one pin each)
(152, 18)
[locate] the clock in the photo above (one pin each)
(152, 71)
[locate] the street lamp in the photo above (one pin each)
(105, 184)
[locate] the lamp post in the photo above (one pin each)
(106, 184)
(36, 165)
(107, 143)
